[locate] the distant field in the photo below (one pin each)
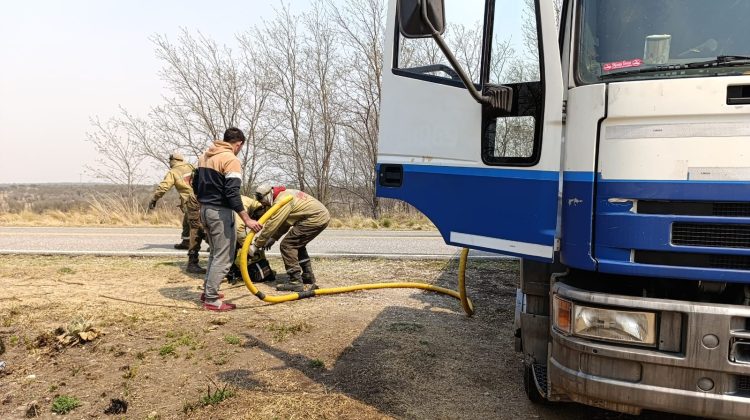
(104, 205)
(83, 205)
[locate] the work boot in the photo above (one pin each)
(293, 285)
(307, 274)
(193, 267)
(234, 275)
(185, 244)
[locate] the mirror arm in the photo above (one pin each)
(500, 97)
(451, 58)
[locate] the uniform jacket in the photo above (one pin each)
(250, 206)
(303, 210)
(179, 176)
(219, 177)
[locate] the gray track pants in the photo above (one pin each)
(218, 224)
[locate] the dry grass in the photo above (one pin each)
(100, 217)
(329, 357)
(83, 205)
(112, 209)
(111, 212)
(398, 221)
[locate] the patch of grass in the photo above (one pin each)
(187, 340)
(140, 355)
(13, 340)
(181, 339)
(316, 364)
(211, 398)
(219, 395)
(282, 331)
(233, 340)
(12, 313)
(64, 404)
(130, 372)
(167, 349)
(66, 270)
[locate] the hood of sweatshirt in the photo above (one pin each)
(219, 147)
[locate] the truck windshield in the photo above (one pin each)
(638, 39)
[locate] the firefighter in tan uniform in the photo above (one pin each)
(304, 218)
(258, 267)
(179, 177)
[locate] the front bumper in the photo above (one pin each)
(628, 379)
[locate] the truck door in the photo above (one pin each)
(487, 179)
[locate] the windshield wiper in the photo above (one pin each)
(720, 61)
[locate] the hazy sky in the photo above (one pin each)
(62, 62)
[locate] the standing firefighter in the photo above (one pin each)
(304, 218)
(217, 187)
(179, 177)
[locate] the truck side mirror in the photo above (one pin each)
(410, 20)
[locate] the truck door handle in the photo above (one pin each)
(738, 95)
(391, 175)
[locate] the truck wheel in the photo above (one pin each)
(530, 387)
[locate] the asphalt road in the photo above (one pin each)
(160, 241)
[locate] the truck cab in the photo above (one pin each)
(606, 144)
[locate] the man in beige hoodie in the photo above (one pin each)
(217, 186)
(304, 217)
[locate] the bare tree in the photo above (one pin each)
(361, 26)
(213, 90)
(119, 160)
(466, 44)
(278, 45)
(322, 71)
(150, 146)
(255, 118)
(205, 80)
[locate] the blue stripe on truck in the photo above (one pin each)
(512, 204)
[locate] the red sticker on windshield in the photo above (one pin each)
(617, 65)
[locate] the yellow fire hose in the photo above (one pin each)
(460, 294)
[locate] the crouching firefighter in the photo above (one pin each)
(180, 176)
(257, 265)
(303, 218)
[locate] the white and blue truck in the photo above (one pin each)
(618, 171)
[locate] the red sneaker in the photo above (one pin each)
(203, 296)
(223, 308)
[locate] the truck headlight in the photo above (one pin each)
(604, 324)
(615, 325)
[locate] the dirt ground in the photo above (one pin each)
(395, 353)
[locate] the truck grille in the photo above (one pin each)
(743, 385)
(681, 259)
(711, 235)
(695, 208)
